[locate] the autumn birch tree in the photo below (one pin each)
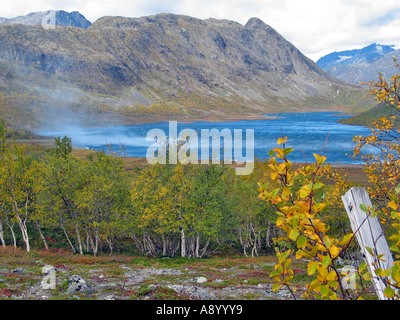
(18, 181)
(63, 184)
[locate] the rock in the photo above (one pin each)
(173, 272)
(193, 291)
(355, 260)
(17, 270)
(284, 294)
(4, 271)
(141, 274)
(197, 292)
(125, 267)
(108, 285)
(60, 18)
(76, 284)
(134, 276)
(201, 280)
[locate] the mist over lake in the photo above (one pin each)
(307, 132)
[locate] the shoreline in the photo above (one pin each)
(128, 121)
(180, 119)
(228, 119)
(113, 120)
(220, 118)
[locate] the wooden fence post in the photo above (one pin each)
(369, 234)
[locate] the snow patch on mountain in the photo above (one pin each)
(343, 58)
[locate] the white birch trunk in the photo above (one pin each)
(183, 243)
(369, 234)
(3, 244)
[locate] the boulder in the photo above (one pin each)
(18, 270)
(76, 284)
(201, 280)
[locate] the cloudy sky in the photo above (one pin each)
(316, 27)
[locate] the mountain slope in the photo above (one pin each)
(366, 118)
(157, 66)
(384, 65)
(360, 65)
(367, 54)
(56, 17)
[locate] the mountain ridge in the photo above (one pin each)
(361, 65)
(368, 54)
(57, 17)
(162, 65)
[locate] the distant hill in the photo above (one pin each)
(367, 117)
(57, 17)
(158, 67)
(361, 65)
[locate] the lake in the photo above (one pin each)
(307, 133)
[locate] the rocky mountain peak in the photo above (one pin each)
(255, 22)
(360, 65)
(56, 17)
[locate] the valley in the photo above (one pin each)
(84, 214)
(130, 70)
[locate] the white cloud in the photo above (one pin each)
(316, 27)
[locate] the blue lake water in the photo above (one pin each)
(307, 133)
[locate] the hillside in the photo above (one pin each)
(361, 65)
(149, 68)
(367, 117)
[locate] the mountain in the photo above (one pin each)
(365, 55)
(57, 17)
(384, 65)
(157, 67)
(360, 65)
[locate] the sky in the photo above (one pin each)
(315, 27)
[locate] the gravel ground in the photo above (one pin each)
(37, 280)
